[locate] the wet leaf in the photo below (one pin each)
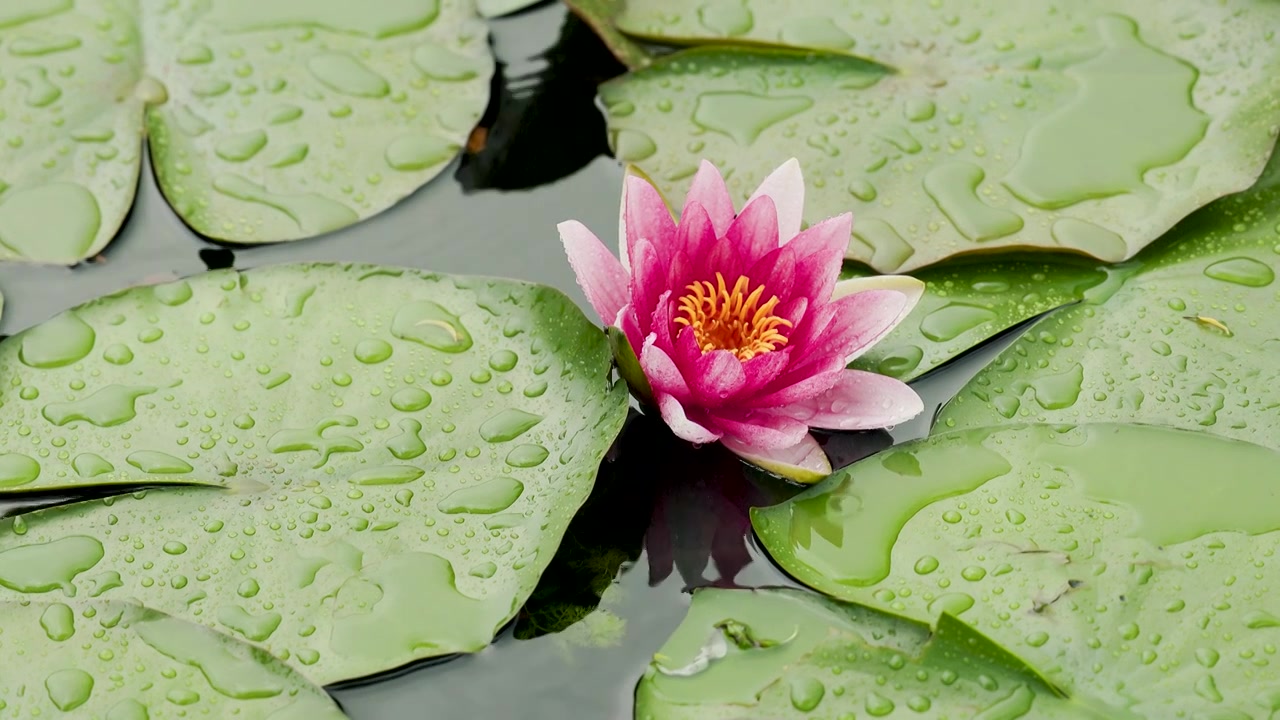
(265, 124)
(1153, 349)
(813, 655)
(970, 300)
(104, 659)
(1119, 561)
(400, 454)
(1091, 128)
(599, 14)
(604, 537)
(498, 8)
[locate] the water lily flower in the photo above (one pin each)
(737, 326)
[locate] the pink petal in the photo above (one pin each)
(629, 321)
(695, 239)
(860, 321)
(648, 276)
(717, 377)
(662, 372)
(759, 429)
(661, 322)
(820, 253)
(776, 271)
(647, 218)
(709, 191)
(803, 462)
(764, 369)
(859, 401)
(753, 234)
(793, 387)
(786, 186)
(912, 288)
(599, 273)
(673, 412)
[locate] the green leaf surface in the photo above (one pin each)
(498, 8)
(1090, 128)
(401, 454)
(1119, 561)
(968, 301)
(1189, 340)
(117, 661)
(267, 122)
(779, 654)
(599, 14)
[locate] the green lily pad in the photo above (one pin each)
(118, 661)
(780, 654)
(1090, 128)
(967, 301)
(266, 123)
(1119, 561)
(1189, 340)
(400, 452)
(498, 8)
(600, 14)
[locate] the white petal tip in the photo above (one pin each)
(804, 463)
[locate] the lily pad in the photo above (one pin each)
(1188, 340)
(266, 123)
(1089, 128)
(1117, 560)
(599, 14)
(498, 8)
(781, 654)
(118, 661)
(968, 301)
(401, 454)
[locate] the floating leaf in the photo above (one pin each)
(1091, 128)
(498, 8)
(1118, 560)
(266, 123)
(401, 453)
(599, 14)
(777, 654)
(968, 301)
(1188, 341)
(103, 659)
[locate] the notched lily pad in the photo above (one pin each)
(103, 659)
(400, 452)
(778, 654)
(1117, 560)
(991, 125)
(266, 123)
(1188, 340)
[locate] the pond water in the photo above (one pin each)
(668, 517)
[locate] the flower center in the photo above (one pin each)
(724, 318)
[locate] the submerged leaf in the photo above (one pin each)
(267, 122)
(104, 659)
(1117, 560)
(400, 454)
(1189, 340)
(807, 654)
(992, 124)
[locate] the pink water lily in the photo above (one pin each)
(740, 323)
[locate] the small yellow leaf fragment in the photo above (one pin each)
(1211, 322)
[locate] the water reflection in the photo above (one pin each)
(542, 123)
(687, 507)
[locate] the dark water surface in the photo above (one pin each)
(686, 508)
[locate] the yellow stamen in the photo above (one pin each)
(732, 319)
